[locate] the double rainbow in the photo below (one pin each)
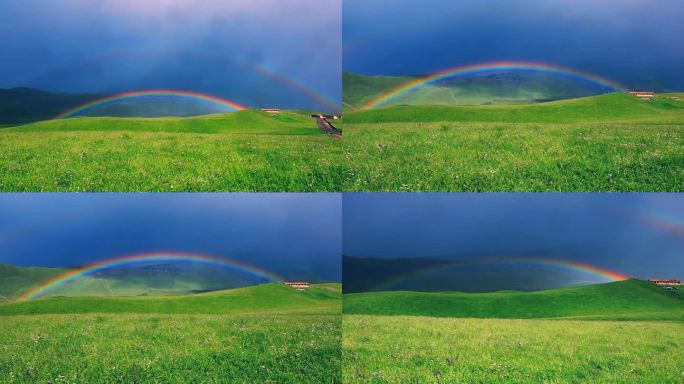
(155, 92)
(89, 269)
(569, 265)
(493, 67)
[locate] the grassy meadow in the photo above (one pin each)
(622, 299)
(604, 143)
(611, 142)
(414, 349)
(623, 332)
(499, 88)
(16, 279)
(266, 333)
(240, 151)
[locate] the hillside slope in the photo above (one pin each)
(482, 89)
(24, 105)
(359, 89)
(13, 279)
(634, 299)
(241, 122)
(615, 107)
(272, 297)
(146, 280)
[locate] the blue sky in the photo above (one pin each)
(212, 46)
(287, 234)
(640, 235)
(635, 42)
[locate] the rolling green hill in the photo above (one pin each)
(14, 280)
(265, 333)
(612, 142)
(630, 299)
(149, 280)
(242, 122)
(272, 297)
(496, 88)
(24, 105)
(243, 151)
(614, 107)
(359, 89)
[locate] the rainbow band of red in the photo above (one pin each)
(572, 265)
(489, 67)
(155, 92)
(74, 274)
(581, 267)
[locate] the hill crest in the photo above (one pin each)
(270, 297)
(629, 299)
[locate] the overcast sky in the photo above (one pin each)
(281, 233)
(640, 235)
(635, 42)
(223, 48)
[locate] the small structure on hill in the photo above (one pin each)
(643, 95)
(271, 111)
(298, 285)
(666, 282)
(326, 116)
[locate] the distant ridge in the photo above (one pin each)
(498, 88)
(623, 300)
(24, 105)
(471, 272)
(13, 279)
(156, 279)
(271, 297)
(613, 107)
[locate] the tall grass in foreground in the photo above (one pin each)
(151, 348)
(166, 162)
(474, 157)
(400, 349)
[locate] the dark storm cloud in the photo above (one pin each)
(636, 42)
(282, 233)
(209, 46)
(640, 235)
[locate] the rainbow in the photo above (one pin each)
(500, 66)
(566, 264)
(291, 83)
(156, 92)
(665, 221)
(151, 258)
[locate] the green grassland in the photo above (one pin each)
(623, 332)
(624, 298)
(161, 279)
(603, 143)
(272, 297)
(613, 107)
(240, 151)
(359, 89)
(14, 280)
(266, 333)
(411, 349)
(500, 88)
(611, 142)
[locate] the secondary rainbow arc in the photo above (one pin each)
(72, 275)
(664, 220)
(290, 82)
(146, 93)
(570, 265)
(489, 67)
